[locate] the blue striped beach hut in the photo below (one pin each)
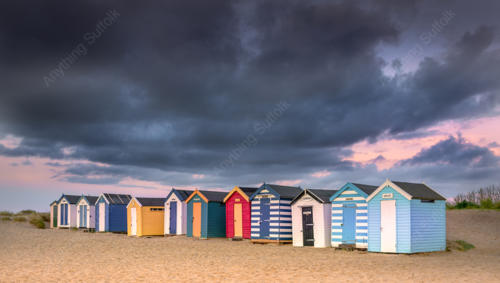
(406, 218)
(271, 213)
(350, 215)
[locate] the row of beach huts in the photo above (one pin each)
(395, 217)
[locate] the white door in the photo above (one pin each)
(133, 221)
(388, 226)
(102, 216)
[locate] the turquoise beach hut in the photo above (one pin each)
(350, 215)
(206, 214)
(406, 218)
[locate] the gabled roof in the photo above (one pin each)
(321, 196)
(54, 202)
(419, 191)
(362, 189)
(285, 192)
(182, 195)
(72, 199)
(368, 189)
(245, 192)
(90, 199)
(410, 190)
(151, 201)
(116, 198)
(208, 196)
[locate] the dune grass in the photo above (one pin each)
(38, 222)
(19, 219)
(459, 245)
(6, 213)
(6, 218)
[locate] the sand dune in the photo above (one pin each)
(28, 254)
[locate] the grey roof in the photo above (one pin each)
(214, 196)
(419, 191)
(323, 195)
(183, 194)
(151, 201)
(72, 199)
(117, 198)
(368, 189)
(91, 199)
(286, 191)
(248, 191)
(55, 201)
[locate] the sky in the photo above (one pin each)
(139, 97)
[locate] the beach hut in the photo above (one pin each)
(111, 212)
(145, 216)
(350, 215)
(85, 212)
(272, 214)
(311, 217)
(206, 214)
(238, 212)
(176, 212)
(53, 214)
(406, 218)
(66, 214)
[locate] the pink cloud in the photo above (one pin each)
(289, 182)
(321, 174)
(198, 176)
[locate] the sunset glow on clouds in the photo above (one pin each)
(192, 101)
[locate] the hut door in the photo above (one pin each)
(238, 221)
(102, 216)
(388, 226)
(173, 217)
(308, 226)
(196, 219)
(133, 221)
(349, 224)
(64, 214)
(265, 207)
(84, 217)
(54, 216)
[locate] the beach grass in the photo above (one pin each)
(6, 213)
(38, 222)
(6, 218)
(19, 219)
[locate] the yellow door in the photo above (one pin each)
(238, 221)
(197, 219)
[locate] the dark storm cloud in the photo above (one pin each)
(456, 151)
(173, 88)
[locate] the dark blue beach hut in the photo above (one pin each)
(111, 212)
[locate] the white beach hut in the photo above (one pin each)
(176, 212)
(85, 212)
(66, 216)
(311, 217)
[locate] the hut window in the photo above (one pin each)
(156, 209)
(427, 200)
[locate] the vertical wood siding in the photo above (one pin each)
(181, 215)
(359, 200)
(321, 220)
(246, 215)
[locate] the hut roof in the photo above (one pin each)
(181, 194)
(248, 191)
(419, 191)
(53, 202)
(322, 196)
(368, 189)
(214, 196)
(90, 199)
(117, 198)
(151, 201)
(72, 199)
(285, 191)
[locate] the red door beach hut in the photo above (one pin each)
(206, 214)
(238, 217)
(176, 212)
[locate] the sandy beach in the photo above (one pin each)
(32, 255)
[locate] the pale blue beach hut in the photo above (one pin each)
(406, 218)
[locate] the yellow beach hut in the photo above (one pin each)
(145, 217)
